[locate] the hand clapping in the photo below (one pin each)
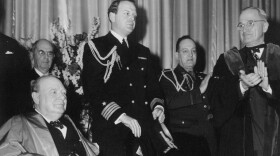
(259, 77)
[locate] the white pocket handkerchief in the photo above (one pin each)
(9, 52)
(142, 58)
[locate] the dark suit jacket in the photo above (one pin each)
(132, 87)
(33, 75)
(234, 114)
(14, 67)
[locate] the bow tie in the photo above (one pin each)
(56, 124)
(256, 49)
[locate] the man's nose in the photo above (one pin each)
(190, 54)
(246, 29)
(131, 17)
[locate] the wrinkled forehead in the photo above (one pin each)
(249, 14)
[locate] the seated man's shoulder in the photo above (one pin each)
(15, 121)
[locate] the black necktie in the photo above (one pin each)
(124, 43)
(56, 124)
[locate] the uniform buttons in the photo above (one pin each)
(205, 106)
(130, 84)
(145, 86)
(183, 122)
(132, 101)
(142, 69)
(103, 103)
(203, 97)
(146, 102)
(127, 68)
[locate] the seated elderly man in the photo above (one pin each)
(46, 131)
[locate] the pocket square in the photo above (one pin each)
(9, 52)
(142, 58)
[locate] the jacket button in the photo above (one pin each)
(142, 69)
(146, 102)
(132, 101)
(183, 122)
(145, 86)
(203, 97)
(127, 68)
(103, 103)
(205, 106)
(130, 84)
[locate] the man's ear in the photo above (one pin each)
(176, 55)
(265, 26)
(112, 17)
(35, 97)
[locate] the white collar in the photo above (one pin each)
(260, 53)
(39, 72)
(119, 37)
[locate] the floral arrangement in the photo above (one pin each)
(69, 61)
(68, 64)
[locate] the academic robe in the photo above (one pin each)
(28, 134)
(237, 117)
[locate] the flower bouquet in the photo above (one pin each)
(68, 66)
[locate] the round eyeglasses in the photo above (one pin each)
(250, 24)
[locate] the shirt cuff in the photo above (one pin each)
(241, 88)
(269, 90)
(118, 119)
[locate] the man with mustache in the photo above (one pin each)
(246, 91)
(120, 85)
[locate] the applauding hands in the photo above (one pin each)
(259, 77)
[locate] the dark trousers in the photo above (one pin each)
(189, 145)
(121, 142)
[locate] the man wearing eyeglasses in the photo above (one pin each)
(246, 91)
(42, 57)
(186, 103)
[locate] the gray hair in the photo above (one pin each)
(261, 12)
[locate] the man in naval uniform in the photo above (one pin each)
(120, 85)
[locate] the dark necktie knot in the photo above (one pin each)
(124, 43)
(56, 124)
(256, 49)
